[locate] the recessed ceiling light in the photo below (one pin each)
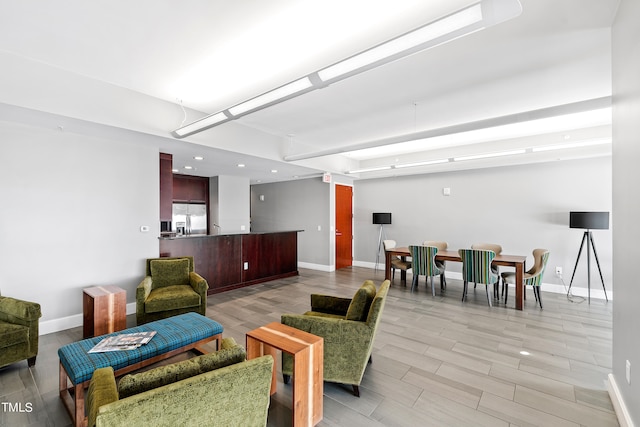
(241, 165)
(198, 158)
(274, 170)
(188, 167)
(525, 353)
(175, 170)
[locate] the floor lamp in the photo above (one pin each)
(381, 218)
(589, 221)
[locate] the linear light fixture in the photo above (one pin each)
(374, 169)
(483, 14)
(404, 43)
(269, 97)
(201, 124)
(425, 163)
(489, 155)
(576, 144)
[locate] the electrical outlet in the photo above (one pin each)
(558, 271)
(628, 372)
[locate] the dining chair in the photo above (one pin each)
(424, 265)
(396, 261)
(494, 268)
(476, 267)
(532, 277)
(442, 246)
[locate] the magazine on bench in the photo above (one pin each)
(123, 342)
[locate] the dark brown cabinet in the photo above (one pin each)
(187, 188)
(166, 186)
(236, 260)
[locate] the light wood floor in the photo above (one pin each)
(436, 362)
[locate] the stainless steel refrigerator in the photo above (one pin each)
(189, 219)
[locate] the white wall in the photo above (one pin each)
(296, 205)
(229, 203)
(72, 206)
(626, 202)
(519, 207)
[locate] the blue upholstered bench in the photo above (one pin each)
(174, 335)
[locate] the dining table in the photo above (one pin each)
(515, 261)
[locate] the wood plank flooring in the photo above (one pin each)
(436, 362)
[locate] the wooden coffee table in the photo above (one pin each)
(308, 361)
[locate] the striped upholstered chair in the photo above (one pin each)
(533, 277)
(476, 267)
(423, 264)
(494, 268)
(442, 246)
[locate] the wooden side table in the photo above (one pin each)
(308, 361)
(104, 310)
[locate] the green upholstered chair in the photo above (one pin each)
(348, 326)
(442, 246)
(170, 287)
(221, 388)
(396, 261)
(476, 268)
(19, 321)
(494, 268)
(532, 278)
(423, 258)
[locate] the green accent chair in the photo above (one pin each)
(19, 321)
(494, 268)
(476, 268)
(397, 262)
(170, 287)
(442, 246)
(348, 326)
(221, 388)
(423, 258)
(532, 278)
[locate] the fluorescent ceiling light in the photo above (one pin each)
(201, 124)
(576, 144)
(269, 97)
(403, 43)
(489, 155)
(425, 163)
(446, 29)
(378, 168)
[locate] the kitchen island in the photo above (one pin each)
(229, 261)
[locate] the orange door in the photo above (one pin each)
(344, 226)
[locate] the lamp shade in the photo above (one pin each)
(382, 217)
(589, 220)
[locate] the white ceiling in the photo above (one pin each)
(556, 52)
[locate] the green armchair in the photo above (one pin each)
(348, 327)
(18, 331)
(170, 287)
(216, 389)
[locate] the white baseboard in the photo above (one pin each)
(57, 325)
(318, 267)
(624, 418)
(365, 264)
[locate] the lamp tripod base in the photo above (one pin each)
(381, 238)
(588, 238)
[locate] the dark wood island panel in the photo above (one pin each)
(221, 259)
